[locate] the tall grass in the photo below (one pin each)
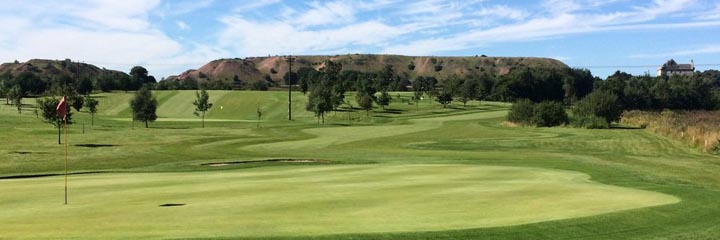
(697, 128)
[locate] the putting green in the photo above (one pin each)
(306, 200)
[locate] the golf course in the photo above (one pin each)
(414, 170)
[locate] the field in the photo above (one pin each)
(409, 172)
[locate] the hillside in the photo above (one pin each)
(257, 68)
(55, 69)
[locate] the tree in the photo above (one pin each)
(5, 87)
(144, 106)
(305, 76)
(76, 101)
(105, 82)
(469, 90)
(319, 101)
(418, 89)
(429, 87)
(139, 76)
(91, 105)
(384, 99)
(16, 95)
(600, 103)
(444, 98)
(84, 86)
(48, 107)
(202, 104)
(365, 102)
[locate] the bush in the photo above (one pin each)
(522, 112)
(549, 114)
(599, 103)
(589, 122)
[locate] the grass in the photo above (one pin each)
(309, 200)
(552, 183)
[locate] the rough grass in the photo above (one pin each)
(696, 128)
(405, 135)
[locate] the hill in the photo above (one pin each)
(56, 69)
(273, 69)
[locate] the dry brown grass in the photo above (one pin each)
(697, 128)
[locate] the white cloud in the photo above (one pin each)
(182, 25)
(247, 6)
(251, 38)
(331, 13)
(713, 14)
(502, 12)
(112, 34)
(559, 7)
(704, 50)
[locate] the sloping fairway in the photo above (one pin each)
(227, 105)
(307, 200)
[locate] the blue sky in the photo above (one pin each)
(169, 37)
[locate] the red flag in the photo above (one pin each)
(62, 108)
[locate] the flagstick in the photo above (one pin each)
(66, 153)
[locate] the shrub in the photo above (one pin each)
(522, 112)
(589, 122)
(549, 114)
(599, 103)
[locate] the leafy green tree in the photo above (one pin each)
(48, 107)
(453, 85)
(5, 88)
(469, 90)
(84, 86)
(139, 76)
(31, 83)
(202, 104)
(305, 76)
(429, 86)
(290, 78)
(76, 101)
(385, 78)
(16, 95)
(418, 89)
(577, 84)
(384, 99)
(549, 114)
(444, 98)
(105, 82)
(599, 103)
(319, 101)
(144, 106)
(365, 102)
(91, 105)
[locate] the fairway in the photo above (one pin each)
(308, 200)
(405, 172)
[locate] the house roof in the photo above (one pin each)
(672, 65)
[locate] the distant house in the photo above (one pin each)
(672, 68)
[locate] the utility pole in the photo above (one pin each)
(290, 59)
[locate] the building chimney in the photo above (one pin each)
(692, 64)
